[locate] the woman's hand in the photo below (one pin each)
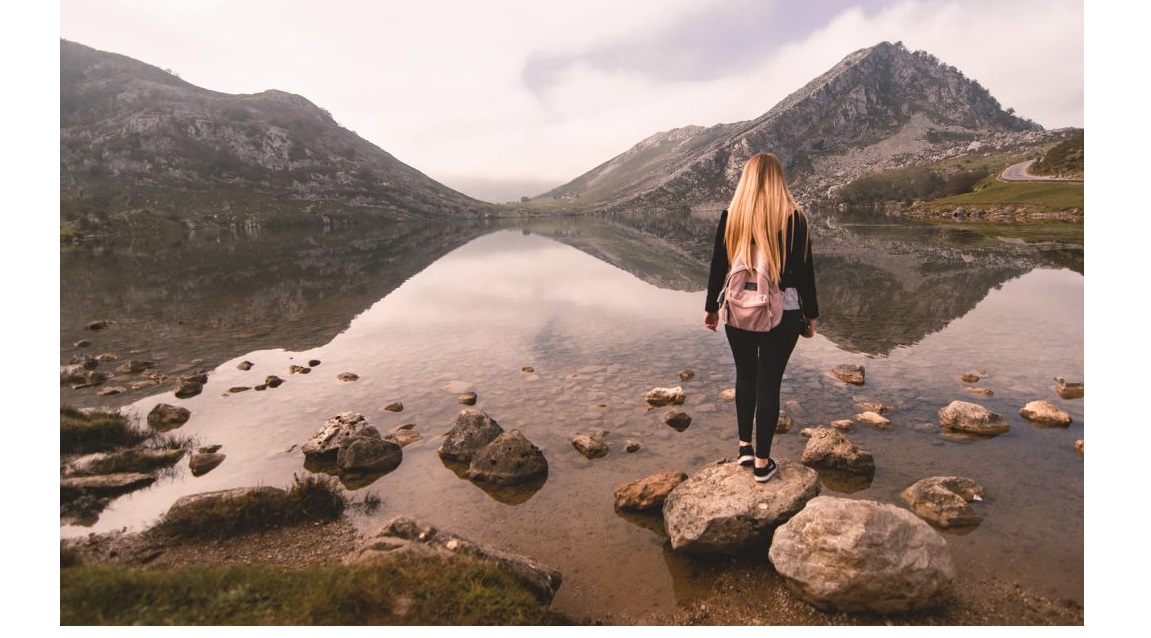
(809, 328)
(711, 320)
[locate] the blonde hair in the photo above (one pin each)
(758, 212)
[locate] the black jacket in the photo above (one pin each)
(799, 273)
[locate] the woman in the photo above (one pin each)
(763, 214)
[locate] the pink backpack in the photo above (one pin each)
(750, 300)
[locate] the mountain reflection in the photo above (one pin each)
(201, 300)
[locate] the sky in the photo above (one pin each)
(505, 98)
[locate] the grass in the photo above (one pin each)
(85, 432)
(1052, 196)
(409, 590)
(313, 498)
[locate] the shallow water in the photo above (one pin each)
(601, 312)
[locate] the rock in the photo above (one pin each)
(203, 462)
(677, 419)
(874, 420)
(85, 362)
(188, 389)
(631, 445)
(404, 435)
(973, 418)
(1067, 390)
(137, 460)
(238, 388)
(1045, 413)
(194, 506)
(859, 556)
(111, 391)
(366, 452)
(83, 343)
(313, 362)
(828, 449)
(77, 375)
(943, 500)
(200, 376)
(657, 397)
(394, 406)
(104, 484)
(404, 535)
(134, 367)
(296, 369)
(347, 376)
(721, 509)
(1079, 447)
(591, 445)
(969, 377)
(167, 417)
(472, 430)
(211, 449)
(99, 324)
(983, 392)
(843, 425)
(467, 398)
(327, 441)
(245, 365)
(508, 460)
(849, 373)
(686, 375)
(878, 407)
(104, 357)
(527, 370)
(728, 395)
(648, 493)
(785, 423)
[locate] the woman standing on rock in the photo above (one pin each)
(763, 216)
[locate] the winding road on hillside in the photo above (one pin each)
(1019, 173)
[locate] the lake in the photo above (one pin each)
(561, 325)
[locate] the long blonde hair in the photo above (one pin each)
(758, 212)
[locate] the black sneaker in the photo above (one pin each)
(763, 474)
(746, 455)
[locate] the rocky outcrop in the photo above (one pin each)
(972, 418)
(944, 500)
(1044, 413)
(510, 459)
(862, 557)
(648, 493)
(827, 448)
(473, 429)
(404, 535)
(325, 444)
(721, 509)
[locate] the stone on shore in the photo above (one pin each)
(859, 556)
(828, 449)
(167, 417)
(472, 430)
(510, 459)
(203, 462)
(1068, 390)
(721, 509)
(326, 443)
(196, 506)
(944, 500)
(852, 373)
(405, 535)
(973, 418)
(367, 452)
(132, 460)
(467, 398)
(1045, 413)
(591, 444)
(648, 493)
(657, 397)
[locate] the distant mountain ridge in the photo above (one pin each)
(879, 108)
(135, 138)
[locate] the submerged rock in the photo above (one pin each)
(943, 500)
(852, 373)
(873, 419)
(648, 493)
(591, 444)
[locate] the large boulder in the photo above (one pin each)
(828, 448)
(366, 452)
(167, 417)
(472, 430)
(972, 417)
(404, 535)
(943, 500)
(195, 506)
(1045, 413)
(721, 509)
(325, 444)
(511, 459)
(648, 493)
(862, 557)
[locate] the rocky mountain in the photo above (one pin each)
(139, 143)
(879, 108)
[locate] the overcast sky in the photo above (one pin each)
(503, 98)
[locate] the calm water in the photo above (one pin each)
(602, 311)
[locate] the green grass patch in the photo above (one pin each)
(409, 590)
(86, 432)
(1052, 196)
(313, 498)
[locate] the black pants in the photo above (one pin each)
(760, 359)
